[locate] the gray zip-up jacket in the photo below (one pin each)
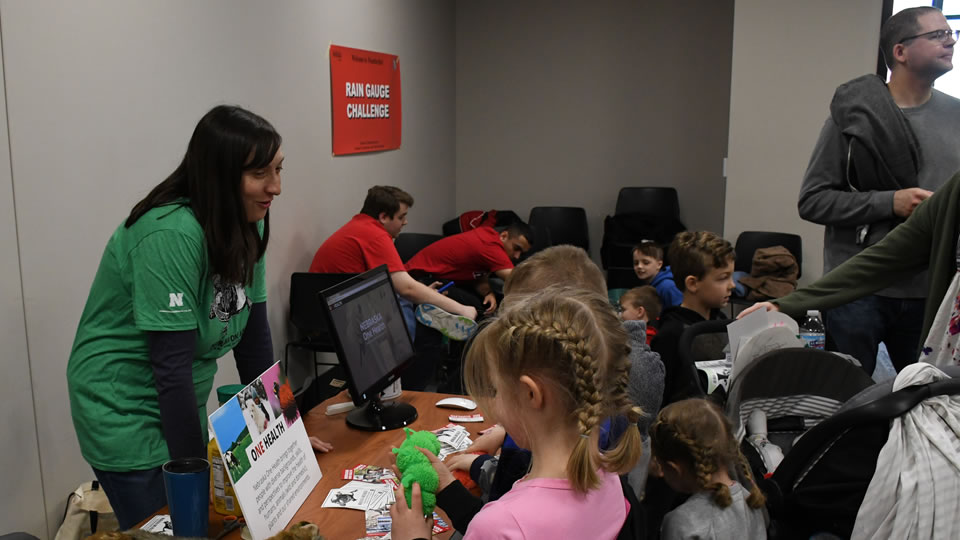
(859, 215)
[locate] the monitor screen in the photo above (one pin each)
(372, 340)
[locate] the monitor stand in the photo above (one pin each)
(375, 416)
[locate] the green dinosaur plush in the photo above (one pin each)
(415, 467)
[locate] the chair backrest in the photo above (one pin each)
(704, 340)
(408, 244)
(306, 308)
(540, 241)
(451, 227)
(566, 224)
(750, 241)
(653, 201)
(699, 342)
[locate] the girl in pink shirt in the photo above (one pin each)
(550, 369)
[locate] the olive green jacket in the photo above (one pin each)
(926, 240)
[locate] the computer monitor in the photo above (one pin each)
(372, 344)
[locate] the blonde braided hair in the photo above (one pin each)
(571, 340)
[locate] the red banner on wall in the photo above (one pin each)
(365, 87)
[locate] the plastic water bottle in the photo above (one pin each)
(812, 331)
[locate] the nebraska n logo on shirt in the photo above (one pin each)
(176, 301)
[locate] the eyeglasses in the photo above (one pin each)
(937, 35)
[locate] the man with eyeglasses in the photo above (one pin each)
(884, 150)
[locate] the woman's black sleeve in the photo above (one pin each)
(171, 357)
(254, 352)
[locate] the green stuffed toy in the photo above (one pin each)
(415, 467)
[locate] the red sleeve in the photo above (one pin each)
(380, 250)
(495, 258)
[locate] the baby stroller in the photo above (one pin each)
(796, 387)
(820, 485)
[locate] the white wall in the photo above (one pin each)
(103, 97)
(562, 103)
(21, 505)
(788, 57)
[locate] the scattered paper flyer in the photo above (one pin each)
(159, 524)
(453, 438)
(717, 372)
(371, 474)
(357, 495)
(379, 524)
(439, 525)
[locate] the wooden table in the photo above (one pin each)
(352, 447)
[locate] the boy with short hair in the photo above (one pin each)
(367, 241)
(703, 270)
(641, 304)
(648, 265)
(470, 258)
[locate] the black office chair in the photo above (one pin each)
(540, 241)
(408, 244)
(705, 340)
(566, 225)
(750, 241)
(642, 213)
(307, 315)
(451, 227)
(652, 201)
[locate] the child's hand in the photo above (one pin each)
(444, 476)
(491, 301)
(409, 522)
(393, 463)
(460, 462)
(489, 441)
(320, 446)
(768, 306)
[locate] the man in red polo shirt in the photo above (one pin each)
(469, 258)
(366, 241)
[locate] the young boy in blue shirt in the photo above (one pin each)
(648, 265)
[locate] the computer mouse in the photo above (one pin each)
(457, 403)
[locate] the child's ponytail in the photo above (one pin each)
(629, 448)
(755, 499)
(582, 464)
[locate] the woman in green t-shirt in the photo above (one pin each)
(181, 282)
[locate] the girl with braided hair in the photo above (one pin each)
(551, 368)
(696, 452)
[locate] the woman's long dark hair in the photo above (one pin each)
(227, 141)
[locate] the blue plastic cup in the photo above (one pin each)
(187, 481)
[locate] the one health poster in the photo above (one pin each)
(266, 452)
